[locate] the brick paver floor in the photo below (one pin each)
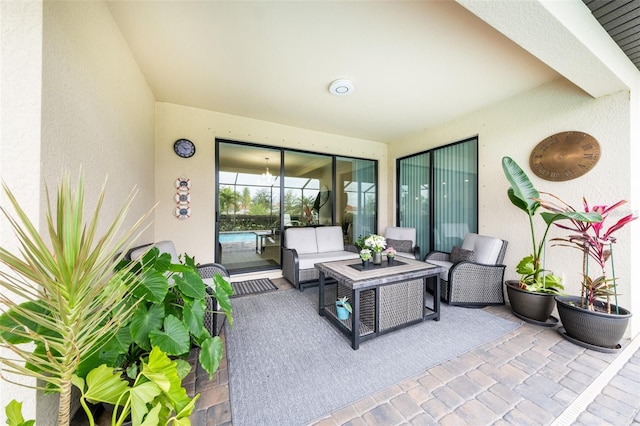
(528, 377)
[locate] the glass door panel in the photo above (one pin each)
(357, 195)
(455, 194)
(308, 199)
(248, 209)
(415, 202)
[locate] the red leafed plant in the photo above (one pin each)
(596, 242)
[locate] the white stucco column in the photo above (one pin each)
(20, 112)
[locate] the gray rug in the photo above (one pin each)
(289, 366)
(244, 288)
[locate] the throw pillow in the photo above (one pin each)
(460, 255)
(405, 246)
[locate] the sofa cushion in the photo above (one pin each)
(308, 261)
(460, 255)
(487, 248)
(329, 238)
(303, 240)
(405, 246)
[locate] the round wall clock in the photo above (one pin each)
(564, 156)
(184, 148)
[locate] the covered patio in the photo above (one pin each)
(82, 90)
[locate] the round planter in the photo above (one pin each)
(390, 260)
(531, 307)
(341, 312)
(597, 330)
(377, 258)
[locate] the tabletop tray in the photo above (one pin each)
(372, 267)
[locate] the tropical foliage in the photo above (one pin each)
(170, 308)
(71, 297)
(596, 243)
(523, 195)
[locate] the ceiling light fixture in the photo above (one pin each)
(266, 178)
(341, 87)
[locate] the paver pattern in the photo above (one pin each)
(527, 377)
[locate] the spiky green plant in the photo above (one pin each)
(71, 297)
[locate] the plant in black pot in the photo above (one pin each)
(532, 296)
(594, 319)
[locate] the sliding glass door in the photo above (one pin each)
(438, 194)
(263, 190)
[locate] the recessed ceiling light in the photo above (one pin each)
(341, 87)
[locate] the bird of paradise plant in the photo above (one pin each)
(596, 242)
(523, 195)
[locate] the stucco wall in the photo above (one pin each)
(20, 93)
(195, 235)
(512, 128)
(97, 110)
(72, 98)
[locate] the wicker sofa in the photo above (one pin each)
(474, 272)
(303, 247)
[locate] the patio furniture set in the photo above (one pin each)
(391, 296)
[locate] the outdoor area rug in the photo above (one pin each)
(289, 366)
(252, 287)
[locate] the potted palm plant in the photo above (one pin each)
(594, 319)
(75, 301)
(532, 296)
(72, 297)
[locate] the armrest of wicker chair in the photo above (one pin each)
(437, 255)
(352, 248)
(475, 284)
(212, 319)
(290, 266)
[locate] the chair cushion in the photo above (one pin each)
(460, 255)
(405, 246)
(487, 248)
(405, 254)
(303, 240)
(444, 275)
(163, 247)
(329, 238)
(400, 233)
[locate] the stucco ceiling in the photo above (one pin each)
(414, 64)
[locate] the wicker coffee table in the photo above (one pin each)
(383, 298)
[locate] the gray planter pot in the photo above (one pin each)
(531, 307)
(597, 330)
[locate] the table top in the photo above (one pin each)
(353, 278)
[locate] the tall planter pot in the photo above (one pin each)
(534, 308)
(592, 329)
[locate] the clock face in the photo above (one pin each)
(184, 148)
(564, 156)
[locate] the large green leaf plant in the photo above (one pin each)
(171, 304)
(523, 195)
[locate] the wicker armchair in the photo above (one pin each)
(212, 321)
(475, 282)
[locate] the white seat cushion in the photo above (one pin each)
(329, 238)
(405, 254)
(163, 247)
(303, 240)
(308, 261)
(486, 248)
(444, 275)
